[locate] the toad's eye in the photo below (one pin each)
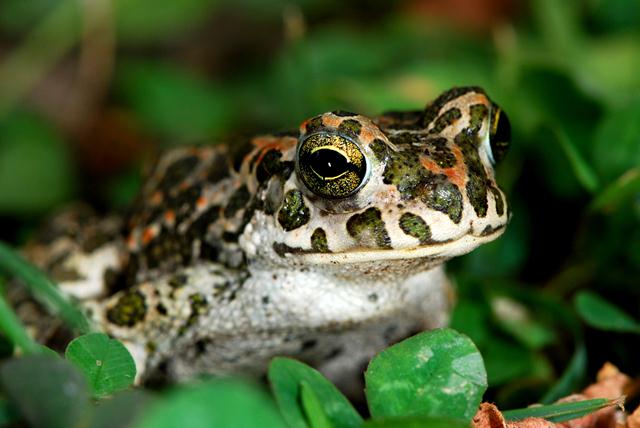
(500, 135)
(330, 165)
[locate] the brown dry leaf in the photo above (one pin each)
(633, 421)
(611, 384)
(489, 416)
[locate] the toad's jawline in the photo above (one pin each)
(458, 247)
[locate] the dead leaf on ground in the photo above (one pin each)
(610, 383)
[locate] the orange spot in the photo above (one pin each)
(201, 202)
(430, 164)
(331, 120)
(478, 99)
(148, 234)
(169, 216)
(156, 198)
(456, 174)
(131, 241)
(367, 134)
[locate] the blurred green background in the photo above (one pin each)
(89, 89)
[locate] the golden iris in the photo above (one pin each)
(330, 165)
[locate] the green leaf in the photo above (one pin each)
(582, 170)
(286, 376)
(415, 422)
(562, 411)
(142, 21)
(32, 153)
(8, 414)
(471, 317)
(124, 410)
(42, 288)
(174, 102)
(607, 68)
(600, 314)
(106, 362)
(438, 373)
(616, 143)
(507, 360)
(48, 392)
(218, 403)
(558, 23)
(312, 407)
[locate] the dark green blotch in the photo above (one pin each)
(183, 204)
(129, 310)
(168, 249)
(351, 127)
(178, 171)
(218, 169)
(314, 124)
(404, 170)
(319, 241)
(446, 119)
(415, 226)
(198, 307)
(93, 241)
(413, 181)
(444, 196)
(477, 112)
(368, 225)
(237, 201)
(477, 193)
(410, 139)
(437, 149)
(477, 178)
(271, 165)
(379, 149)
(343, 113)
(294, 213)
(431, 111)
(178, 280)
(199, 227)
(406, 119)
(497, 197)
(282, 249)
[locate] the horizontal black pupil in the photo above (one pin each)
(328, 163)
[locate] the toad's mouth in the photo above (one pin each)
(436, 250)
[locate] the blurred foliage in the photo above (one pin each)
(89, 89)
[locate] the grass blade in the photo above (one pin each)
(561, 412)
(42, 288)
(611, 197)
(13, 329)
(581, 168)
